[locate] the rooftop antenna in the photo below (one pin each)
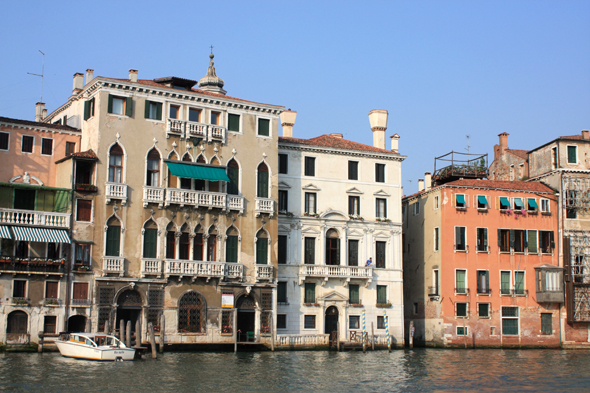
(211, 49)
(468, 146)
(42, 75)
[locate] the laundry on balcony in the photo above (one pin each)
(197, 171)
(42, 235)
(4, 233)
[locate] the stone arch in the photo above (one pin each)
(192, 313)
(17, 322)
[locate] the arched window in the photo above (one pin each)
(150, 239)
(172, 180)
(214, 185)
(233, 172)
(262, 181)
(17, 322)
(231, 245)
(153, 168)
(171, 242)
(192, 313)
(200, 184)
(185, 183)
(212, 245)
(184, 243)
(201, 159)
(113, 242)
(332, 248)
(261, 248)
(116, 164)
(198, 244)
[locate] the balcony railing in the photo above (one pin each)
(264, 272)
(265, 205)
(484, 291)
(187, 129)
(34, 218)
(151, 266)
(153, 195)
(81, 302)
(116, 191)
(329, 271)
(51, 302)
(302, 339)
(461, 291)
(30, 266)
(223, 270)
(235, 202)
(113, 265)
(20, 301)
(195, 198)
(432, 291)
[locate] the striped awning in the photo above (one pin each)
(4, 233)
(42, 235)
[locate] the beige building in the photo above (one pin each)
(175, 215)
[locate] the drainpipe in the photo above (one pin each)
(72, 249)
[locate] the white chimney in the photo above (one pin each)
(420, 185)
(133, 75)
(337, 135)
(427, 181)
(288, 121)
(395, 143)
(78, 83)
(44, 114)
(39, 109)
(89, 75)
(378, 120)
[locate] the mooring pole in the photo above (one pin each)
(364, 333)
(411, 334)
(40, 346)
(152, 340)
(128, 336)
(372, 337)
(106, 327)
(162, 332)
(122, 330)
(234, 329)
(272, 335)
(138, 333)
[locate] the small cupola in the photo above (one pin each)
(211, 82)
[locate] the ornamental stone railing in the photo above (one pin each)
(330, 271)
(265, 205)
(208, 270)
(113, 265)
(153, 195)
(151, 266)
(116, 191)
(34, 218)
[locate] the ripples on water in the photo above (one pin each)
(400, 370)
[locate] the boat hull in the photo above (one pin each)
(105, 353)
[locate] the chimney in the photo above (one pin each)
(420, 185)
(133, 75)
(336, 135)
(395, 143)
(89, 75)
(427, 181)
(78, 83)
(39, 109)
(503, 141)
(44, 114)
(378, 120)
(288, 121)
(585, 134)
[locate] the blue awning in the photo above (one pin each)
(532, 202)
(518, 203)
(41, 235)
(4, 233)
(482, 199)
(460, 198)
(193, 171)
(504, 202)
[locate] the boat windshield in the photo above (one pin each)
(113, 341)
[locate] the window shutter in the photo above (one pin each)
(485, 239)
(512, 238)
(231, 250)
(110, 104)
(86, 110)
(159, 111)
(457, 237)
(150, 238)
(129, 106)
(540, 238)
(552, 241)
(113, 241)
(261, 251)
(532, 242)
(147, 109)
(454, 200)
(262, 184)
(499, 238)
(524, 236)
(234, 179)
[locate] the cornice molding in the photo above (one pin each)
(342, 152)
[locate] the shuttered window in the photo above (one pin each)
(233, 172)
(262, 181)
(353, 170)
(233, 122)
(83, 210)
(505, 283)
(153, 110)
(262, 251)
(80, 290)
(309, 250)
(51, 289)
(27, 144)
(381, 294)
(283, 163)
(353, 253)
(282, 249)
(264, 127)
(150, 243)
(380, 255)
(89, 109)
(282, 292)
(309, 293)
(47, 146)
(113, 241)
(354, 294)
(4, 138)
(198, 247)
(460, 281)
(231, 249)
(309, 166)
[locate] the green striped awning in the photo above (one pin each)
(42, 235)
(4, 233)
(193, 171)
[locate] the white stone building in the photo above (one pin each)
(339, 205)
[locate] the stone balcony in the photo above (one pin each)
(264, 273)
(165, 197)
(116, 191)
(203, 269)
(339, 272)
(265, 205)
(189, 129)
(34, 218)
(151, 267)
(153, 195)
(115, 265)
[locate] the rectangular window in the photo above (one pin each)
(381, 294)
(194, 115)
(309, 322)
(4, 140)
(283, 163)
(46, 146)
(532, 242)
(460, 241)
(70, 148)
(263, 127)
(545, 206)
(354, 322)
(310, 202)
(504, 240)
(483, 282)
(461, 309)
(547, 323)
(483, 310)
(552, 282)
(153, 110)
(571, 213)
(19, 288)
(519, 283)
(233, 122)
(120, 105)
(175, 112)
(283, 201)
(482, 202)
(83, 210)
(21, 249)
(309, 293)
(353, 253)
(282, 292)
(354, 205)
(89, 109)
(434, 289)
(51, 289)
(381, 208)
(532, 205)
(436, 204)
(462, 330)
(49, 324)
(380, 322)
(27, 144)
(310, 250)
(505, 283)
(281, 321)
(546, 242)
(436, 239)
(417, 208)
(510, 320)
(572, 155)
(82, 254)
(215, 116)
(460, 201)
(53, 251)
(504, 203)
(380, 255)
(353, 170)
(460, 284)
(80, 291)
(282, 249)
(519, 240)
(518, 204)
(354, 294)
(380, 173)
(197, 247)
(482, 239)
(309, 166)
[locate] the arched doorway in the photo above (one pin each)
(18, 322)
(331, 323)
(246, 318)
(128, 308)
(77, 323)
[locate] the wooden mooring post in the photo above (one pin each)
(128, 336)
(162, 332)
(122, 330)
(152, 340)
(411, 334)
(372, 337)
(272, 335)
(106, 327)
(234, 329)
(40, 346)
(138, 333)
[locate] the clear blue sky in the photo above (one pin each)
(443, 69)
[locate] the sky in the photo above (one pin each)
(444, 70)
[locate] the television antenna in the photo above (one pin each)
(42, 75)
(468, 145)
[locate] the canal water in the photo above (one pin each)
(401, 370)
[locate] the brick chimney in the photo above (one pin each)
(39, 111)
(78, 83)
(427, 181)
(585, 134)
(378, 120)
(395, 143)
(133, 75)
(499, 149)
(89, 75)
(288, 121)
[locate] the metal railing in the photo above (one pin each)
(34, 218)
(81, 302)
(116, 191)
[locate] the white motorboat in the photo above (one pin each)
(93, 346)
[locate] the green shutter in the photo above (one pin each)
(113, 241)
(552, 241)
(159, 111)
(86, 110)
(262, 184)
(234, 180)
(353, 294)
(532, 242)
(505, 283)
(231, 249)
(263, 127)
(353, 253)
(460, 281)
(146, 113)
(110, 104)
(571, 154)
(309, 293)
(129, 106)
(65, 120)
(381, 294)
(485, 239)
(6, 197)
(519, 283)
(262, 251)
(282, 292)
(62, 201)
(233, 122)
(512, 238)
(150, 241)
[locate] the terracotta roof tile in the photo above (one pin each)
(335, 143)
(524, 154)
(37, 124)
(504, 185)
(579, 137)
(86, 154)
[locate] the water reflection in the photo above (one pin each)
(401, 370)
